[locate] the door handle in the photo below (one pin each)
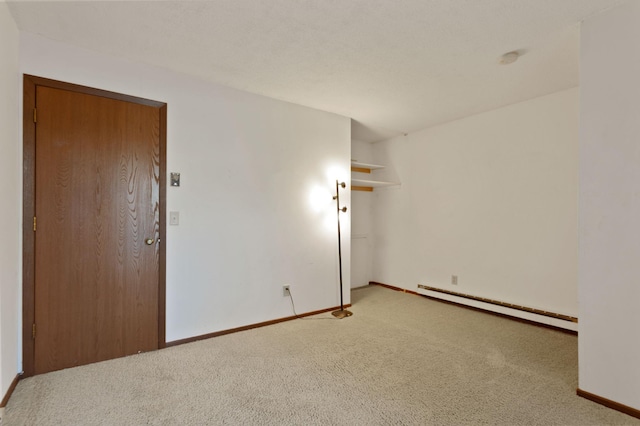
(149, 241)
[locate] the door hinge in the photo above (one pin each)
(35, 115)
(35, 223)
(33, 331)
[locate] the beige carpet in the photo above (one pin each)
(400, 360)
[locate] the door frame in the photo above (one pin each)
(28, 206)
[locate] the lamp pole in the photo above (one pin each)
(342, 313)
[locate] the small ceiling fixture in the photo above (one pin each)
(509, 57)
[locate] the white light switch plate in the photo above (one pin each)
(174, 218)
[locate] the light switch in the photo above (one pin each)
(174, 218)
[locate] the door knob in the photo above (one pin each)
(149, 241)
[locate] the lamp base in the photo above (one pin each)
(342, 313)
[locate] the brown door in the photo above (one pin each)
(97, 228)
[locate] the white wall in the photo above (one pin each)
(491, 198)
(10, 194)
(609, 209)
(250, 167)
(361, 221)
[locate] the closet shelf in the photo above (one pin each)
(366, 184)
(372, 183)
(364, 167)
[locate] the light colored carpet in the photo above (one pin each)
(400, 360)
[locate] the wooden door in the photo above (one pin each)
(97, 226)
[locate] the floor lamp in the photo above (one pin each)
(342, 313)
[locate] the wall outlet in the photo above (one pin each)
(454, 279)
(285, 291)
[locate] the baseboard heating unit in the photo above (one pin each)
(553, 319)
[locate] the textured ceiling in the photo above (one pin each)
(393, 66)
